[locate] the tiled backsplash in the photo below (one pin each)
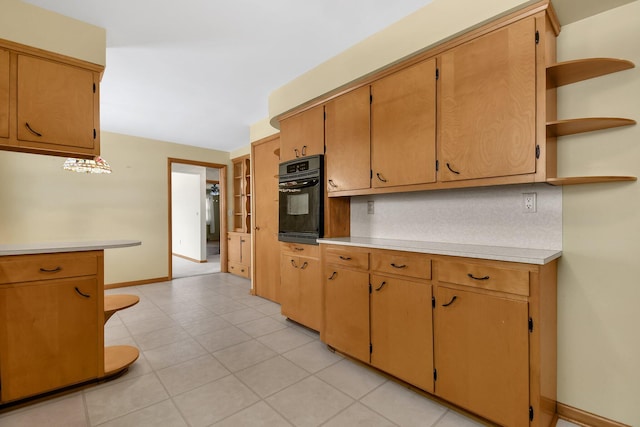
(481, 216)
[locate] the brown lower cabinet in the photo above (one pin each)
(300, 286)
(480, 334)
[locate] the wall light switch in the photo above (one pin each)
(370, 209)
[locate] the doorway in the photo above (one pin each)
(197, 218)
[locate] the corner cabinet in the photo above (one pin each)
(52, 312)
(53, 103)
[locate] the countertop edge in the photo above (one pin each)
(58, 247)
(496, 253)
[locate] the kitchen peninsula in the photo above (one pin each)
(52, 313)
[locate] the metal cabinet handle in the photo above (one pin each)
(450, 302)
(398, 265)
(454, 171)
(381, 178)
(304, 150)
(298, 249)
(332, 184)
(55, 270)
(304, 265)
(31, 129)
(333, 275)
(381, 285)
(295, 150)
(345, 258)
(478, 278)
(81, 294)
(294, 264)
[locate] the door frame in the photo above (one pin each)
(223, 209)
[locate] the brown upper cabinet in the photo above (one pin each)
(4, 93)
(348, 147)
(488, 105)
(302, 134)
(403, 127)
(49, 104)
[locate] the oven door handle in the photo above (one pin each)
(297, 184)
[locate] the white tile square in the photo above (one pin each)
(271, 376)
(351, 378)
(191, 374)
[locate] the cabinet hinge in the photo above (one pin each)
(530, 324)
(530, 413)
(537, 37)
(437, 165)
(370, 99)
(370, 348)
(94, 133)
(433, 302)
(369, 287)
(94, 88)
(325, 115)
(537, 151)
(437, 74)
(435, 375)
(370, 173)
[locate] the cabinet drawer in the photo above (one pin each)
(402, 263)
(238, 269)
(347, 257)
(485, 277)
(29, 268)
(300, 249)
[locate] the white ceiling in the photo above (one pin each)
(199, 72)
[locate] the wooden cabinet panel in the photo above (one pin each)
(242, 194)
(403, 127)
(401, 263)
(233, 247)
(483, 276)
(348, 141)
(482, 354)
(346, 300)
(48, 335)
(239, 253)
(266, 261)
(28, 268)
(301, 289)
(401, 329)
(488, 105)
(55, 104)
(347, 257)
(303, 134)
(4, 93)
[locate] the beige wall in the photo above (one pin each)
(599, 276)
(41, 202)
(33, 26)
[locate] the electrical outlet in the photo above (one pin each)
(370, 209)
(529, 202)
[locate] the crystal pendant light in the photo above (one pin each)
(95, 165)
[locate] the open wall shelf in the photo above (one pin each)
(574, 180)
(564, 73)
(589, 124)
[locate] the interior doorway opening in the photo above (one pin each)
(197, 219)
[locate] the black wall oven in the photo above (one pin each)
(301, 200)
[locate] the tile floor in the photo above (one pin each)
(213, 355)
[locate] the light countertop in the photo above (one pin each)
(499, 253)
(56, 247)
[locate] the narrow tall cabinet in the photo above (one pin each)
(239, 241)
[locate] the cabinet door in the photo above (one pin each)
(482, 354)
(245, 249)
(488, 106)
(310, 283)
(289, 286)
(266, 260)
(403, 127)
(48, 335)
(401, 330)
(233, 248)
(55, 103)
(4, 93)
(303, 134)
(348, 141)
(346, 311)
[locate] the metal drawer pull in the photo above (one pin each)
(31, 130)
(380, 177)
(345, 258)
(304, 265)
(294, 264)
(298, 249)
(450, 302)
(333, 275)
(296, 151)
(381, 285)
(55, 270)
(304, 150)
(81, 294)
(456, 172)
(398, 266)
(478, 278)
(333, 184)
